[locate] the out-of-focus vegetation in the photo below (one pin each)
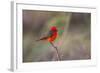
(73, 41)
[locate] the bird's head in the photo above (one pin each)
(54, 28)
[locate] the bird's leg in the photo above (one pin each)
(58, 55)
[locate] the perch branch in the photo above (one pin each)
(58, 55)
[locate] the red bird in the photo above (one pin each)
(52, 35)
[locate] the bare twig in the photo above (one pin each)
(58, 55)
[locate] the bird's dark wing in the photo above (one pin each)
(50, 33)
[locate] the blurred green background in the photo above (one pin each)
(73, 41)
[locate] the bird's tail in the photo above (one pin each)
(44, 38)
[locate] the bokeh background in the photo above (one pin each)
(73, 41)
